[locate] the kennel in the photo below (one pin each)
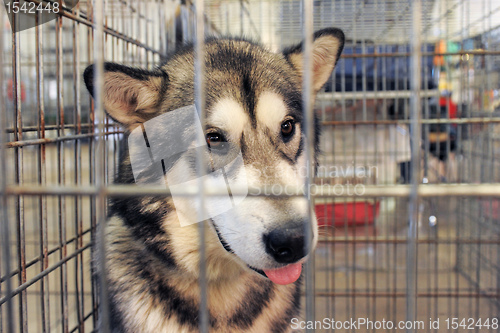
(408, 188)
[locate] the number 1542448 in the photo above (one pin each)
(31, 7)
(471, 323)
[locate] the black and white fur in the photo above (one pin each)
(152, 262)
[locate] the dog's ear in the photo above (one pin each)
(326, 48)
(130, 95)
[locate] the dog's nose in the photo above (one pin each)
(286, 245)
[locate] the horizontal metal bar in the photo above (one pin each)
(56, 127)
(345, 56)
(364, 191)
(424, 54)
(384, 94)
(54, 292)
(473, 120)
(403, 294)
(42, 274)
(477, 120)
(58, 139)
(440, 241)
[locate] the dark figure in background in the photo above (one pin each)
(399, 110)
(441, 138)
(441, 134)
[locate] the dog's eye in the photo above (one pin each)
(216, 141)
(287, 128)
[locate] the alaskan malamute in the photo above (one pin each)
(255, 250)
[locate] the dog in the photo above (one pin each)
(255, 249)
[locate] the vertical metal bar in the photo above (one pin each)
(354, 138)
(4, 225)
(330, 257)
(79, 261)
(433, 248)
(124, 28)
(471, 204)
(383, 73)
(307, 105)
(344, 153)
(61, 171)
(93, 214)
(164, 29)
(463, 99)
(44, 263)
(199, 90)
(5, 251)
(342, 137)
(452, 304)
(376, 161)
(137, 31)
(481, 263)
(99, 115)
(95, 286)
(261, 22)
(104, 119)
(18, 152)
(242, 27)
(494, 157)
(148, 35)
(110, 22)
(227, 20)
(184, 15)
(416, 59)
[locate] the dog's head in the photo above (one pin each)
(254, 133)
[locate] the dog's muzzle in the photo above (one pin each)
(288, 244)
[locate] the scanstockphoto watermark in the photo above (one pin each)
(356, 172)
(343, 180)
(348, 171)
(341, 190)
(167, 151)
(366, 324)
(361, 324)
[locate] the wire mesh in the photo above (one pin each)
(54, 178)
(51, 138)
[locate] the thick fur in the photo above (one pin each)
(152, 262)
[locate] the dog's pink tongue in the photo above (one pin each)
(286, 275)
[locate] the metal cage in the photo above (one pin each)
(407, 194)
